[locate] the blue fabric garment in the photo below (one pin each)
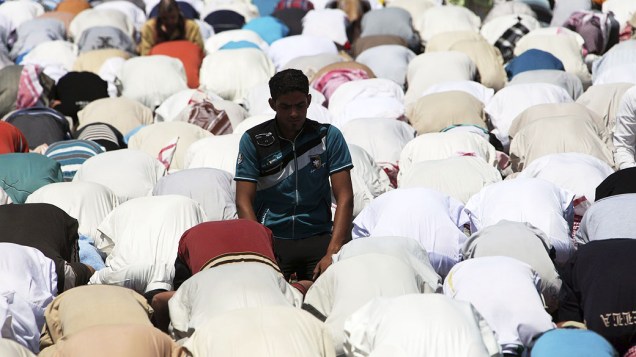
(234, 45)
(533, 59)
(89, 255)
(268, 27)
(131, 133)
(265, 7)
(71, 154)
(572, 343)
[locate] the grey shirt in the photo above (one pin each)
(607, 218)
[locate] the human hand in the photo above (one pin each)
(322, 265)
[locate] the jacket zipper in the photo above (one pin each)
(293, 143)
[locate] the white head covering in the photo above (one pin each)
(18, 12)
(57, 57)
(213, 189)
(219, 152)
(88, 202)
(382, 138)
(388, 61)
(214, 43)
(427, 216)
(435, 67)
(418, 325)
(576, 172)
(371, 107)
(445, 18)
(28, 283)
(512, 100)
(459, 177)
(438, 146)
(487, 284)
(152, 79)
(128, 173)
(144, 246)
(153, 138)
(232, 73)
(477, 90)
(270, 331)
(100, 17)
(287, 48)
(134, 14)
(328, 23)
(536, 201)
(362, 89)
(368, 179)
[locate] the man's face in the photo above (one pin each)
(291, 111)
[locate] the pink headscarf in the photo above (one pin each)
(330, 81)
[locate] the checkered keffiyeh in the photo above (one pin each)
(508, 40)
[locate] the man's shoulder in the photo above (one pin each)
(264, 127)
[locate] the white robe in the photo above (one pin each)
(218, 152)
(419, 325)
(28, 283)
(382, 138)
(439, 146)
(575, 172)
(143, 235)
(211, 292)
(88, 202)
(127, 173)
(505, 292)
(536, 201)
(459, 177)
(427, 216)
(512, 100)
(267, 331)
(213, 189)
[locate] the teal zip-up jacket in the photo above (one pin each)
(293, 193)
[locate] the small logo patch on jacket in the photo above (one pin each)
(316, 161)
(265, 139)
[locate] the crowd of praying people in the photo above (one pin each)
(463, 183)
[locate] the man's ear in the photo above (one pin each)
(308, 99)
(272, 104)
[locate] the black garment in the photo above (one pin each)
(50, 230)
(622, 181)
(41, 125)
(599, 288)
(292, 18)
(300, 256)
(225, 20)
(76, 89)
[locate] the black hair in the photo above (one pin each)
(286, 81)
(167, 7)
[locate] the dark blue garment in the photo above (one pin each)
(533, 59)
(186, 9)
(225, 20)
